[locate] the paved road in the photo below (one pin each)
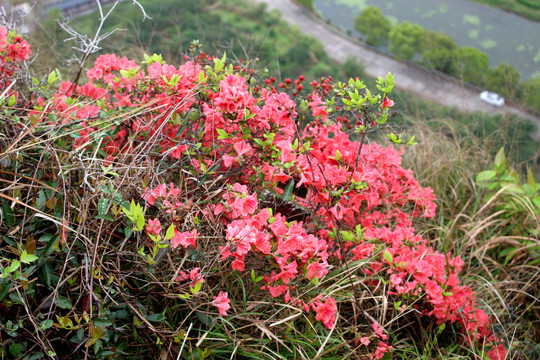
(407, 76)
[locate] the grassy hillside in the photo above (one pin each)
(118, 207)
(235, 27)
(529, 9)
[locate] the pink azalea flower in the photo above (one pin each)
(185, 238)
(317, 270)
(379, 331)
(241, 148)
(222, 302)
(382, 349)
(325, 312)
(387, 103)
(153, 227)
(319, 109)
(228, 160)
(364, 341)
(193, 275)
(281, 177)
(497, 353)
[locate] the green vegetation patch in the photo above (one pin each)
(471, 19)
(529, 9)
(488, 44)
(240, 29)
(536, 57)
(473, 34)
(357, 5)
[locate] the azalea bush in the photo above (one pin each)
(207, 211)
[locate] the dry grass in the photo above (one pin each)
(501, 255)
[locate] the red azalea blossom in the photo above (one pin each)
(222, 302)
(325, 312)
(185, 238)
(387, 103)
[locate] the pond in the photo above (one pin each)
(502, 35)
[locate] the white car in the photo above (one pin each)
(492, 98)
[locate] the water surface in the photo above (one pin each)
(504, 36)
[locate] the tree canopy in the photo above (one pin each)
(472, 65)
(439, 52)
(374, 25)
(504, 79)
(406, 40)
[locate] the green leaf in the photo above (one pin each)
(28, 258)
(45, 324)
(105, 217)
(52, 78)
(205, 318)
(15, 264)
(222, 134)
(16, 348)
(7, 213)
(156, 317)
(127, 232)
(500, 161)
(5, 290)
(347, 235)
(485, 176)
(196, 288)
(13, 296)
(102, 322)
(338, 155)
(201, 77)
(140, 222)
(388, 257)
(530, 181)
(287, 193)
(103, 204)
(536, 201)
(441, 328)
(47, 272)
(12, 100)
(63, 303)
(170, 232)
(393, 138)
(411, 141)
(514, 188)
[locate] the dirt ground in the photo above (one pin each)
(411, 77)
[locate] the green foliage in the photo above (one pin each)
(532, 4)
(529, 9)
(374, 25)
(439, 52)
(531, 93)
(306, 3)
(517, 202)
(135, 213)
(51, 41)
(239, 28)
(351, 68)
(472, 65)
(504, 79)
(406, 40)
